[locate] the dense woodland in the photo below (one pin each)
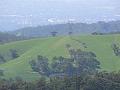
(98, 81)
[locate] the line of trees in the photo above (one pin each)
(99, 81)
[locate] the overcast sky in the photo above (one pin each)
(20, 13)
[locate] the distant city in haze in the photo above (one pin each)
(16, 14)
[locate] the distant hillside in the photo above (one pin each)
(6, 37)
(64, 29)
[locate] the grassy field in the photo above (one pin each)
(50, 47)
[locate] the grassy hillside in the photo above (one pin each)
(50, 47)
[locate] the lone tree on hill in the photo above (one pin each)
(70, 33)
(54, 33)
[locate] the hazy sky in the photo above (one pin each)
(20, 13)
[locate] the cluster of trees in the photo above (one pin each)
(5, 37)
(116, 49)
(80, 63)
(13, 54)
(97, 33)
(98, 81)
(2, 59)
(1, 72)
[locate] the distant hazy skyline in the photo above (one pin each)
(21, 13)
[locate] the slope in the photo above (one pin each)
(50, 47)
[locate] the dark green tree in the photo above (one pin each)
(54, 33)
(41, 65)
(14, 53)
(2, 59)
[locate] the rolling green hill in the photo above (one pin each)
(55, 46)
